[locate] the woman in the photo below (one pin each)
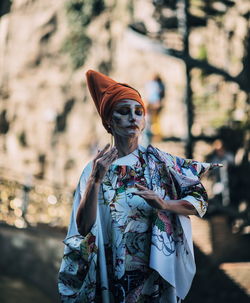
(129, 239)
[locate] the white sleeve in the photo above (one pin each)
(197, 204)
(72, 230)
(84, 177)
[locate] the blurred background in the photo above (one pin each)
(191, 62)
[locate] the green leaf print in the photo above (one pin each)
(160, 224)
(121, 189)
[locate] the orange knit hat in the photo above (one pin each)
(106, 93)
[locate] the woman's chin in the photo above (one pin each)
(133, 132)
(130, 134)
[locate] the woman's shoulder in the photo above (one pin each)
(164, 156)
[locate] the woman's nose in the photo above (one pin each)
(132, 116)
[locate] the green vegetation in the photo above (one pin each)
(77, 44)
(80, 13)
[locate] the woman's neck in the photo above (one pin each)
(125, 146)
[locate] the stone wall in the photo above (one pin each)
(49, 127)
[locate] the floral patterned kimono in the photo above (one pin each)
(134, 253)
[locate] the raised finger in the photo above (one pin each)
(110, 153)
(102, 151)
(141, 187)
(107, 159)
(140, 193)
(110, 158)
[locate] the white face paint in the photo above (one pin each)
(128, 119)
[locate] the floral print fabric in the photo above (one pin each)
(146, 254)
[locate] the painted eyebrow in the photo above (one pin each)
(126, 106)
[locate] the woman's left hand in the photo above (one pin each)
(150, 197)
(181, 207)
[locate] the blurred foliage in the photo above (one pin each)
(80, 13)
(77, 44)
(202, 52)
(209, 8)
(200, 11)
(217, 61)
(183, 17)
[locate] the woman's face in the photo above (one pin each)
(128, 119)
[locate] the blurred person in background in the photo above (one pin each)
(129, 239)
(155, 93)
(221, 178)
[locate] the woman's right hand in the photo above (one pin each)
(102, 161)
